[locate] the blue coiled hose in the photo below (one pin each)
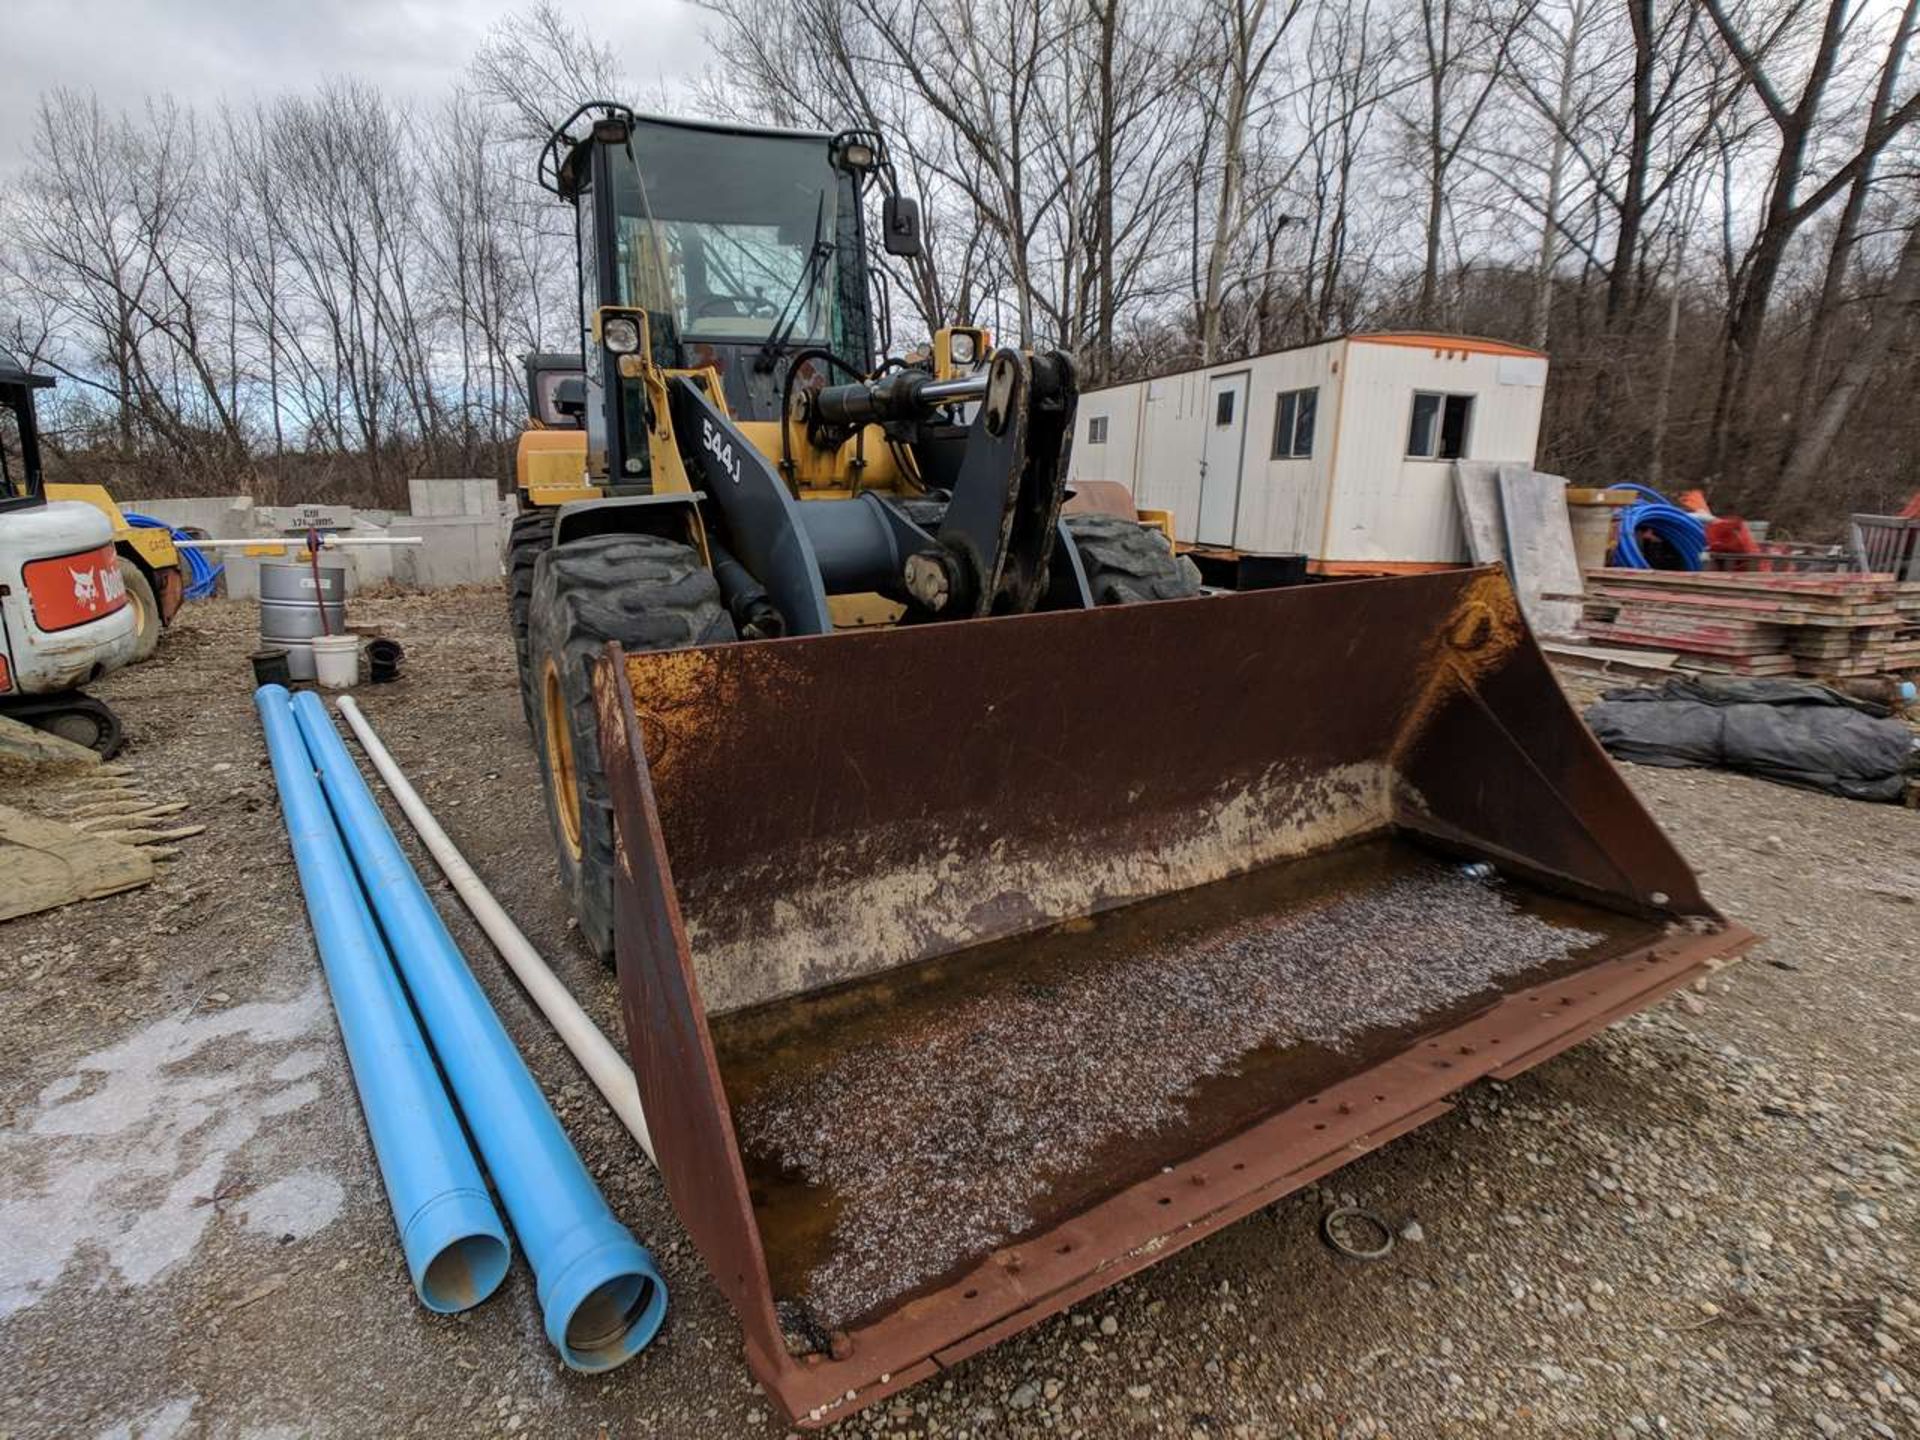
(203, 576)
(1681, 529)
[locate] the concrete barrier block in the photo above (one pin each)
(271, 518)
(367, 565)
(223, 517)
(454, 550)
(472, 498)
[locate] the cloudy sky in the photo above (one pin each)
(203, 50)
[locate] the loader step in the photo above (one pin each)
(898, 1128)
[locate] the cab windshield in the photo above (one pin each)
(739, 236)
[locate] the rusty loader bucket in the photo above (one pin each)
(969, 968)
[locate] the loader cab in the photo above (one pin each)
(744, 247)
(20, 484)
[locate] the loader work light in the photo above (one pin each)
(620, 335)
(854, 155)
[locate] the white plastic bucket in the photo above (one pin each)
(336, 661)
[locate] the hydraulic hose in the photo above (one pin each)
(611, 1074)
(1682, 530)
(601, 1296)
(455, 1245)
(203, 576)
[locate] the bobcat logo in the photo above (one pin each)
(97, 585)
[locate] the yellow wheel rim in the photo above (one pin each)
(559, 742)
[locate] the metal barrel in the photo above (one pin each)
(900, 914)
(455, 1246)
(290, 613)
(600, 1294)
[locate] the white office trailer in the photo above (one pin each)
(1340, 450)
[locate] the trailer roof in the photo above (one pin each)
(1411, 339)
(1440, 340)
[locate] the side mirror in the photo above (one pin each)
(900, 219)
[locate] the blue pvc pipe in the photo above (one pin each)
(602, 1298)
(455, 1245)
(203, 575)
(1682, 530)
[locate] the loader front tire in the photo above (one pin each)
(530, 537)
(1127, 563)
(146, 610)
(648, 594)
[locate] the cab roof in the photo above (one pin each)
(12, 374)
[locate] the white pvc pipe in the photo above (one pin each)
(283, 542)
(611, 1075)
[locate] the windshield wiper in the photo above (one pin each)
(789, 316)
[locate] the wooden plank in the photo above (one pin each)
(22, 747)
(1607, 658)
(44, 864)
(1476, 484)
(1540, 547)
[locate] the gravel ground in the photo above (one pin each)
(1702, 1222)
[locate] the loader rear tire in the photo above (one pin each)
(648, 594)
(530, 537)
(1126, 562)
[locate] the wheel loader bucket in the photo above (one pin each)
(970, 968)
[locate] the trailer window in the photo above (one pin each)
(1440, 426)
(1293, 423)
(1223, 408)
(1096, 429)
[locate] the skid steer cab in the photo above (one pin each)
(730, 457)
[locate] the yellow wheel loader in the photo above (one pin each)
(995, 914)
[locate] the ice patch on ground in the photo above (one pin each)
(299, 1065)
(299, 1205)
(163, 1422)
(129, 1152)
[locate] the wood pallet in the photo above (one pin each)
(1837, 626)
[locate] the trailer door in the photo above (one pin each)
(1220, 458)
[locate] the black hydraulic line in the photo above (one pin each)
(799, 358)
(753, 610)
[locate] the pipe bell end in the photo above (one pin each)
(607, 1303)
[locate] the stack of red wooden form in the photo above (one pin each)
(1836, 626)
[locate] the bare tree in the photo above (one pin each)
(1246, 33)
(1762, 46)
(1464, 50)
(1893, 313)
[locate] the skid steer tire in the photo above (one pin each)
(530, 537)
(648, 594)
(1127, 563)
